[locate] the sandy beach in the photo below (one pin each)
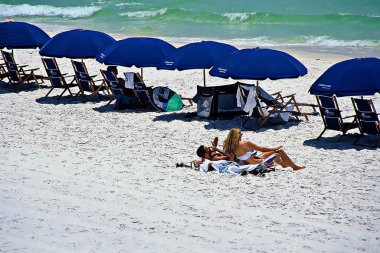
(80, 177)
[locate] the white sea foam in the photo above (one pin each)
(238, 16)
(47, 10)
(127, 4)
(372, 15)
(329, 42)
(144, 14)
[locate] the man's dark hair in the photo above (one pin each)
(201, 151)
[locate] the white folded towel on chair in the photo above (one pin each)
(250, 101)
(129, 82)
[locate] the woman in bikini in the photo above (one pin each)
(247, 151)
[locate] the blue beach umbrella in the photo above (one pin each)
(140, 52)
(21, 35)
(259, 64)
(76, 43)
(355, 77)
(197, 55)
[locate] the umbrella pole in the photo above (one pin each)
(257, 87)
(204, 77)
(142, 77)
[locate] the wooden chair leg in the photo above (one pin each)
(110, 101)
(49, 92)
(62, 93)
(324, 130)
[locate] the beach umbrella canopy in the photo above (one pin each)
(21, 35)
(259, 64)
(77, 43)
(197, 55)
(355, 77)
(140, 52)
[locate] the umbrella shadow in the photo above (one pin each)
(8, 88)
(56, 100)
(347, 142)
(253, 124)
(107, 108)
(222, 123)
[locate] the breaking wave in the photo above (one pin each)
(47, 10)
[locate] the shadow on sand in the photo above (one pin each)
(347, 142)
(223, 123)
(56, 100)
(106, 108)
(9, 88)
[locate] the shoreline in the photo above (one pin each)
(349, 51)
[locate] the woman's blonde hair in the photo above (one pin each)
(231, 143)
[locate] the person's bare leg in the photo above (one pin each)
(278, 159)
(288, 162)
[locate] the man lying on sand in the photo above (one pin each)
(212, 153)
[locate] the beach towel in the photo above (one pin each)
(129, 80)
(249, 103)
(234, 168)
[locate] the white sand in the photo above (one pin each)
(80, 177)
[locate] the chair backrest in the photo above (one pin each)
(139, 86)
(82, 76)
(330, 112)
(10, 64)
(112, 82)
(53, 72)
(8, 57)
(366, 116)
(13, 72)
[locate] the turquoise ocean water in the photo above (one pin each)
(323, 23)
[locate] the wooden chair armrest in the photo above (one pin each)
(306, 104)
(98, 80)
(31, 69)
(290, 95)
(276, 93)
(190, 100)
(352, 116)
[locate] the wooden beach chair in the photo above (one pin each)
(274, 114)
(112, 83)
(86, 83)
(332, 118)
(134, 82)
(3, 71)
(57, 79)
(287, 103)
(367, 118)
(18, 75)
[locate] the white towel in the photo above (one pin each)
(250, 102)
(129, 82)
(226, 167)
